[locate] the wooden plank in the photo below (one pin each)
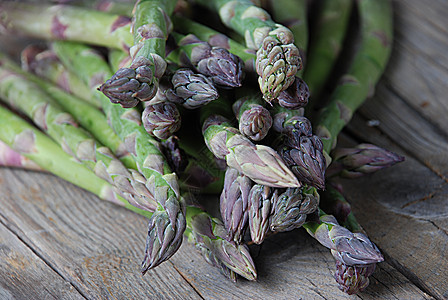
(23, 275)
(95, 246)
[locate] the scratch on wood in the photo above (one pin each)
(186, 280)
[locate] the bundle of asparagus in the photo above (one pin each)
(155, 113)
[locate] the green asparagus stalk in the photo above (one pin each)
(234, 205)
(254, 121)
(123, 7)
(365, 70)
(126, 123)
(44, 63)
(361, 160)
(293, 14)
(223, 67)
(63, 22)
(31, 143)
(215, 39)
(151, 25)
(278, 59)
(326, 44)
(13, 159)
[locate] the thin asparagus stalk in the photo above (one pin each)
(361, 160)
(234, 204)
(223, 67)
(126, 123)
(215, 39)
(258, 162)
(278, 59)
(365, 70)
(151, 25)
(63, 22)
(31, 143)
(293, 14)
(254, 121)
(44, 63)
(326, 44)
(13, 159)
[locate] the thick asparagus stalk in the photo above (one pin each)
(326, 43)
(151, 25)
(223, 67)
(363, 159)
(278, 59)
(234, 204)
(254, 121)
(365, 70)
(293, 14)
(258, 162)
(11, 158)
(289, 209)
(31, 143)
(157, 175)
(63, 22)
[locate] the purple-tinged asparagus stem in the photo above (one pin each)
(234, 204)
(304, 155)
(353, 249)
(161, 120)
(258, 162)
(11, 158)
(176, 157)
(361, 160)
(254, 121)
(190, 89)
(223, 67)
(289, 209)
(260, 211)
(296, 96)
(353, 279)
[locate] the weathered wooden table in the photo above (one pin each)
(58, 241)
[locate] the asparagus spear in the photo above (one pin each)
(254, 121)
(292, 14)
(326, 43)
(260, 211)
(365, 70)
(363, 159)
(151, 25)
(161, 120)
(11, 158)
(63, 22)
(234, 204)
(31, 143)
(278, 59)
(289, 209)
(296, 96)
(223, 67)
(157, 175)
(215, 39)
(258, 162)
(353, 279)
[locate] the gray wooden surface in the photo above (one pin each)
(60, 242)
